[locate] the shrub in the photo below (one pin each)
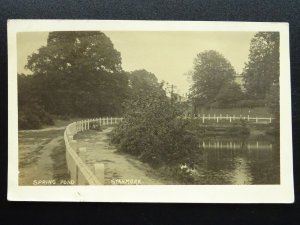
(33, 117)
(152, 131)
(250, 103)
(29, 120)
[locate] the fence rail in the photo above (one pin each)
(229, 118)
(75, 157)
(234, 145)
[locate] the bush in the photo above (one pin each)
(246, 103)
(152, 131)
(29, 121)
(33, 117)
(250, 103)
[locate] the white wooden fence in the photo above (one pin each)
(80, 173)
(234, 145)
(230, 118)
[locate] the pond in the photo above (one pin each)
(239, 161)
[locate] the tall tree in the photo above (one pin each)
(262, 69)
(211, 72)
(79, 73)
(70, 51)
(142, 81)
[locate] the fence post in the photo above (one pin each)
(248, 117)
(270, 120)
(217, 119)
(256, 120)
(230, 119)
(88, 124)
(203, 118)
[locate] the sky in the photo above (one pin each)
(169, 55)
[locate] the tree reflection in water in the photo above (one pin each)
(252, 163)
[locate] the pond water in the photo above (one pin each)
(237, 161)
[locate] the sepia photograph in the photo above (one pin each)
(109, 107)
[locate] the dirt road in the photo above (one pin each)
(42, 157)
(119, 168)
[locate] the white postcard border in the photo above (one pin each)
(283, 193)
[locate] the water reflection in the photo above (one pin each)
(239, 162)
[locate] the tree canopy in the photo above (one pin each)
(78, 74)
(211, 74)
(142, 81)
(75, 51)
(262, 69)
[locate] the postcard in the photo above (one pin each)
(149, 111)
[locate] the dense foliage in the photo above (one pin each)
(75, 74)
(272, 101)
(261, 71)
(153, 132)
(31, 113)
(213, 80)
(213, 77)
